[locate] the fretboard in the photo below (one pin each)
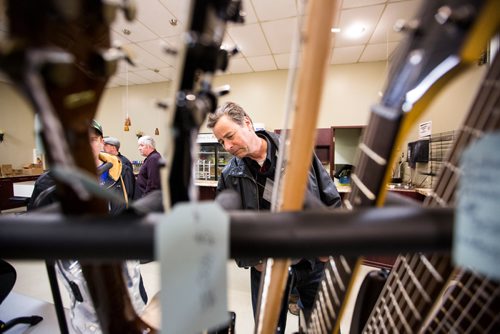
(396, 308)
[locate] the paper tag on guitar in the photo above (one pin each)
(192, 247)
(477, 228)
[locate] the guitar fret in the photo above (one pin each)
(322, 321)
(330, 283)
(323, 307)
(391, 321)
(328, 300)
(408, 300)
(416, 282)
(346, 266)
(402, 318)
(361, 186)
(337, 277)
(372, 154)
(430, 268)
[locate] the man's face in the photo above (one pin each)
(96, 143)
(110, 149)
(234, 138)
(145, 150)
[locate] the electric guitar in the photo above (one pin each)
(58, 54)
(445, 38)
(467, 302)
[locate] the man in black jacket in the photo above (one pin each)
(251, 174)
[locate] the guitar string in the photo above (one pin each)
(474, 115)
(492, 99)
(488, 99)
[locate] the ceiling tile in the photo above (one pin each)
(365, 16)
(138, 31)
(154, 14)
(249, 39)
(272, 10)
(239, 66)
(179, 8)
(283, 61)
(378, 52)
(137, 79)
(157, 48)
(360, 3)
(262, 63)
(146, 59)
(124, 80)
(346, 55)
(280, 34)
(384, 31)
(151, 75)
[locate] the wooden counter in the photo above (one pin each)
(7, 199)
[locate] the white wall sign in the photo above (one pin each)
(425, 129)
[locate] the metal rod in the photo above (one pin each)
(371, 231)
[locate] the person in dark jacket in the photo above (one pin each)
(148, 178)
(251, 174)
(112, 146)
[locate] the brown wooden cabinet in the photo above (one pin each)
(323, 147)
(7, 191)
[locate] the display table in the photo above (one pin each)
(19, 305)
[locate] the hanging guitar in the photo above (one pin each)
(317, 42)
(58, 54)
(468, 302)
(445, 38)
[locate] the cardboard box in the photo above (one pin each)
(33, 171)
(6, 170)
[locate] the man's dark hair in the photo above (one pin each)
(234, 111)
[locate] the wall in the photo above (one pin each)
(350, 90)
(16, 121)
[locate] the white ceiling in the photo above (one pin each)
(264, 40)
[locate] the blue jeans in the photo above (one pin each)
(304, 277)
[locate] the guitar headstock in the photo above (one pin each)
(445, 37)
(59, 54)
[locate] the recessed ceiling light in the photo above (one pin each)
(355, 31)
(335, 30)
(126, 31)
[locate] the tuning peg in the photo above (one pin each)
(110, 7)
(406, 26)
(222, 90)
(163, 104)
(460, 15)
(129, 9)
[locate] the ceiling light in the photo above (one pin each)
(126, 31)
(355, 31)
(335, 30)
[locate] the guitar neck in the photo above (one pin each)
(417, 280)
(58, 61)
(430, 56)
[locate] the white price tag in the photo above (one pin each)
(477, 228)
(192, 247)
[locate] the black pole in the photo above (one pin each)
(56, 296)
(371, 231)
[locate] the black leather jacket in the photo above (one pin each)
(238, 177)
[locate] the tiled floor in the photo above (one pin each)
(32, 282)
